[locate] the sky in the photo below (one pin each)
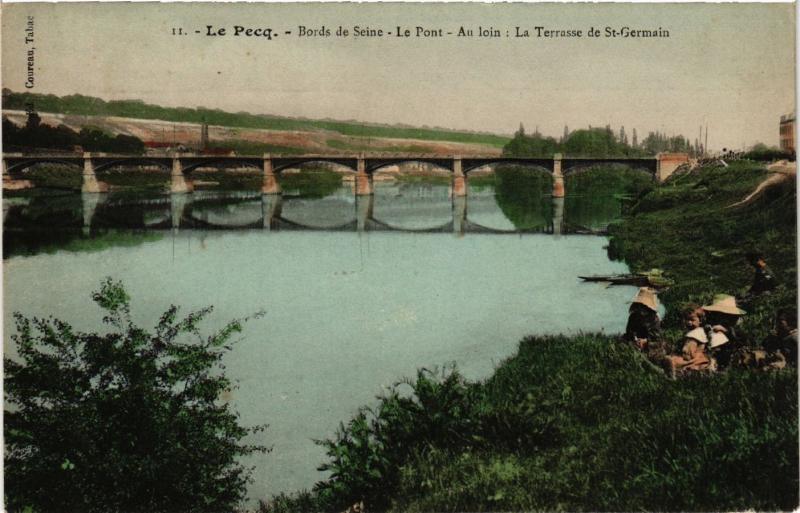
(728, 66)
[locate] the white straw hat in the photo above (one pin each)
(647, 297)
(726, 304)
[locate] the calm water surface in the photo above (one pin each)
(425, 282)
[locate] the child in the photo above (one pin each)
(693, 357)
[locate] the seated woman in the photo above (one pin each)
(644, 326)
(782, 344)
(693, 357)
(721, 317)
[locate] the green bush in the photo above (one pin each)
(123, 420)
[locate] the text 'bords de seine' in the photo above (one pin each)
(429, 32)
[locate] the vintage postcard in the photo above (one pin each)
(328, 257)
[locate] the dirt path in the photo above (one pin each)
(780, 172)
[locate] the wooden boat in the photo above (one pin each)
(653, 278)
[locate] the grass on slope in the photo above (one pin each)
(686, 227)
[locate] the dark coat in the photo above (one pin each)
(643, 323)
(787, 346)
(763, 281)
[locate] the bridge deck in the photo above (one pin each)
(369, 163)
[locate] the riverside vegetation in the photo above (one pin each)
(584, 423)
(125, 419)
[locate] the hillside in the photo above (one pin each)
(245, 132)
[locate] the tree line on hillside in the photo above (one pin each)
(37, 135)
(77, 104)
(597, 142)
(761, 151)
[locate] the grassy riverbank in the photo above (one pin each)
(584, 423)
(691, 228)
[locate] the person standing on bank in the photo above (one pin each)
(644, 325)
(763, 278)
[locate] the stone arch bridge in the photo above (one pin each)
(180, 166)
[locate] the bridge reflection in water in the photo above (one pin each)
(416, 209)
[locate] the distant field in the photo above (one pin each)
(89, 106)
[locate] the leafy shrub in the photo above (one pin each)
(126, 420)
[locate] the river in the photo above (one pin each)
(356, 297)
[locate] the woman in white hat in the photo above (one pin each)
(644, 326)
(722, 315)
(693, 357)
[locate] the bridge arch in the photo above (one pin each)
(375, 165)
(102, 166)
(283, 163)
(19, 167)
(528, 170)
(545, 165)
(574, 167)
(220, 162)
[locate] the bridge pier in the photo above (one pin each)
(271, 206)
(459, 179)
(558, 177)
(667, 163)
(90, 182)
(365, 205)
(363, 179)
(269, 182)
(179, 183)
(459, 215)
(558, 215)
